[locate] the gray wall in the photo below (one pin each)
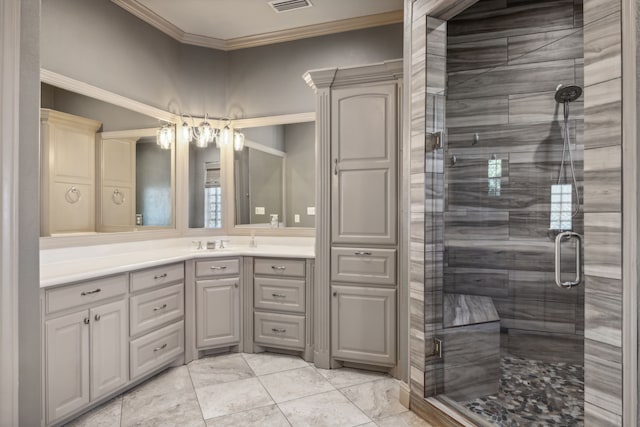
(269, 136)
(300, 172)
(499, 245)
(111, 116)
(267, 80)
(30, 323)
(153, 184)
(265, 182)
(99, 43)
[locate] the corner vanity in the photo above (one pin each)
(118, 314)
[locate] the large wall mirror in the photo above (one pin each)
(274, 176)
(104, 168)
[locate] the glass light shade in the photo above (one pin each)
(187, 132)
(164, 137)
(238, 141)
(202, 141)
(226, 135)
(205, 135)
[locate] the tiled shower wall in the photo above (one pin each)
(602, 220)
(504, 62)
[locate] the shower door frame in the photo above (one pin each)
(421, 334)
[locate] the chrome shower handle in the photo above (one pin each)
(568, 235)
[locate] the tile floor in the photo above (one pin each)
(257, 390)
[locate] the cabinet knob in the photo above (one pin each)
(86, 321)
(335, 294)
(235, 285)
(97, 317)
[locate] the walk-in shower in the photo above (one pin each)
(505, 215)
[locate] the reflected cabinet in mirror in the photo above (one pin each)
(104, 168)
(274, 176)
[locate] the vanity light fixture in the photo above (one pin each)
(165, 136)
(226, 134)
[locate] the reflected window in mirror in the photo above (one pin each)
(205, 187)
(274, 176)
(102, 168)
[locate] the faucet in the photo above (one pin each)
(198, 244)
(274, 221)
(223, 243)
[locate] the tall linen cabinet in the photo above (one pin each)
(357, 163)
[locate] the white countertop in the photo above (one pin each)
(60, 266)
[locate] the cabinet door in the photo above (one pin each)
(67, 364)
(109, 352)
(363, 324)
(217, 312)
(363, 148)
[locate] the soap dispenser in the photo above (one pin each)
(252, 241)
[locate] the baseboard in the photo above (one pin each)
(405, 395)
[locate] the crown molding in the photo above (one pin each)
(147, 15)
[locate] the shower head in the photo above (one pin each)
(567, 93)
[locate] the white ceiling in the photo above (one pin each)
(229, 20)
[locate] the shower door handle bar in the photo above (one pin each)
(568, 235)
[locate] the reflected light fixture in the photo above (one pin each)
(203, 134)
(238, 140)
(226, 135)
(165, 136)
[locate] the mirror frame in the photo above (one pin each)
(73, 85)
(228, 156)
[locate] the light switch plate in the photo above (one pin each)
(311, 210)
(259, 210)
(296, 218)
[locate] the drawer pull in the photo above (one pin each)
(219, 267)
(162, 347)
(279, 267)
(160, 276)
(279, 330)
(162, 307)
(278, 295)
(362, 253)
(90, 292)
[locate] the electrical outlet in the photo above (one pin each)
(311, 210)
(259, 210)
(296, 218)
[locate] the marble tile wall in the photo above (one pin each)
(504, 62)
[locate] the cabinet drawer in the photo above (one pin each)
(279, 330)
(279, 267)
(85, 293)
(221, 267)
(279, 294)
(154, 308)
(156, 276)
(155, 349)
(368, 266)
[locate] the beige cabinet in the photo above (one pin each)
(363, 327)
(363, 146)
(116, 183)
(86, 357)
(67, 147)
(217, 312)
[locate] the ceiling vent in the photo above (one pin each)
(287, 5)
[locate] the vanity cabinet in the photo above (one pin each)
(86, 346)
(218, 311)
(67, 148)
(280, 303)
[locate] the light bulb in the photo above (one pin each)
(226, 136)
(238, 141)
(187, 132)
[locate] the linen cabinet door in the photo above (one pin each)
(363, 324)
(67, 364)
(363, 149)
(109, 349)
(217, 312)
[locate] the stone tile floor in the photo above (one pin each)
(534, 393)
(257, 390)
